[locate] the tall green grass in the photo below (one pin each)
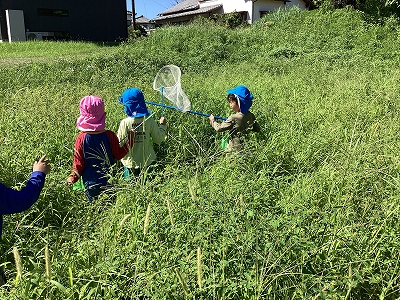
(312, 213)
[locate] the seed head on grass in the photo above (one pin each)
(199, 268)
(18, 264)
(192, 191)
(47, 262)
(126, 217)
(71, 277)
(146, 219)
(124, 220)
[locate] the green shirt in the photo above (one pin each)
(237, 124)
(147, 131)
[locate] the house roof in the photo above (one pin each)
(192, 7)
(188, 13)
(181, 7)
(143, 20)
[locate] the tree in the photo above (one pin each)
(376, 9)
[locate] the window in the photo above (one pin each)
(243, 15)
(52, 12)
(263, 13)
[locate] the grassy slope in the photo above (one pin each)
(314, 210)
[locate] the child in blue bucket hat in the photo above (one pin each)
(142, 155)
(241, 122)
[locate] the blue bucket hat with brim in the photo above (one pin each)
(244, 96)
(135, 105)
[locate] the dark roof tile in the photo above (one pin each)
(181, 7)
(189, 13)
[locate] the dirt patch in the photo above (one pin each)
(16, 61)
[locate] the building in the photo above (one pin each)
(87, 20)
(251, 10)
(129, 18)
(147, 24)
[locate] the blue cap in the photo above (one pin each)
(244, 96)
(134, 103)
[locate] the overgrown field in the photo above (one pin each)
(313, 213)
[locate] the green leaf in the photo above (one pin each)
(58, 285)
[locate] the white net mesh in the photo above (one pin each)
(168, 81)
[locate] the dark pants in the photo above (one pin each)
(92, 193)
(3, 279)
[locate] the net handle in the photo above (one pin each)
(189, 111)
(162, 100)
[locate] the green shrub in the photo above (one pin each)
(375, 10)
(230, 20)
(135, 32)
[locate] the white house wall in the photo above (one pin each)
(260, 6)
(297, 3)
(231, 6)
(253, 8)
(263, 6)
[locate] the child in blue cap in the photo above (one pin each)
(240, 100)
(142, 154)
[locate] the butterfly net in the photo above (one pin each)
(168, 82)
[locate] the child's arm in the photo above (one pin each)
(158, 131)
(219, 127)
(118, 151)
(79, 160)
(13, 201)
(121, 133)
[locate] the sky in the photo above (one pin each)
(149, 8)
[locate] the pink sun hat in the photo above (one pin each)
(93, 116)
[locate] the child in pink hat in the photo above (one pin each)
(96, 149)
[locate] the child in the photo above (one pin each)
(96, 149)
(13, 201)
(240, 100)
(142, 155)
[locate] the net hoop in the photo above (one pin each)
(168, 82)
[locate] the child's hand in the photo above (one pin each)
(132, 134)
(70, 180)
(212, 118)
(163, 121)
(74, 177)
(43, 165)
